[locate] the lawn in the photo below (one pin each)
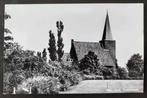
(106, 86)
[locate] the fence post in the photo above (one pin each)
(30, 90)
(14, 90)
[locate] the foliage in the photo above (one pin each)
(107, 72)
(66, 76)
(7, 88)
(90, 65)
(60, 44)
(12, 79)
(12, 67)
(90, 62)
(52, 46)
(13, 57)
(135, 66)
(122, 73)
(43, 85)
(44, 53)
(39, 54)
(16, 78)
(21, 64)
(33, 66)
(7, 37)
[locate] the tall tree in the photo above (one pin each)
(60, 44)
(135, 66)
(52, 46)
(44, 54)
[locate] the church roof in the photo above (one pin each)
(107, 35)
(82, 49)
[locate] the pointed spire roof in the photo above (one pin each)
(107, 35)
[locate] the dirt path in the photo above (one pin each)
(106, 86)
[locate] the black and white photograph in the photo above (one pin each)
(92, 48)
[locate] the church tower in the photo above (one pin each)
(107, 41)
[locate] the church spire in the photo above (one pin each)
(107, 35)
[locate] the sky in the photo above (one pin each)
(30, 24)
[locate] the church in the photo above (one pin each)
(105, 49)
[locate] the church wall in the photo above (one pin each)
(111, 46)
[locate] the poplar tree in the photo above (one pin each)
(52, 46)
(60, 44)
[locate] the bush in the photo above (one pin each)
(65, 74)
(107, 72)
(7, 88)
(12, 79)
(42, 85)
(69, 78)
(122, 73)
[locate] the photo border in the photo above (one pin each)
(112, 95)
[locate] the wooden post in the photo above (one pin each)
(30, 90)
(14, 90)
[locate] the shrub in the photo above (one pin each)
(69, 77)
(86, 71)
(122, 73)
(12, 79)
(65, 74)
(7, 88)
(107, 72)
(69, 80)
(43, 85)
(75, 78)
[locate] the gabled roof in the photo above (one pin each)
(82, 49)
(107, 35)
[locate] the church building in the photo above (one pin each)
(105, 49)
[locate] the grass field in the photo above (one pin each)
(106, 86)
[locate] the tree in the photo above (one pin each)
(135, 66)
(13, 57)
(60, 44)
(44, 54)
(89, 62)
(13, 62)
(52, 46)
